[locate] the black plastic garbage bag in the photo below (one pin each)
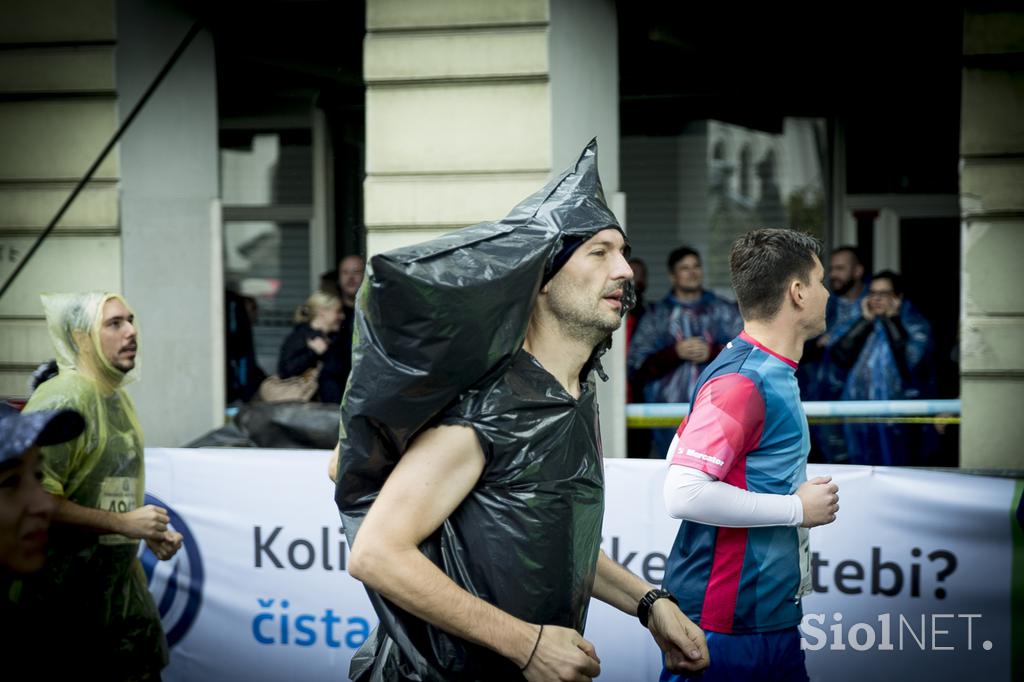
(231, 435)
(311, 426)
(289, 425)
(437, 327)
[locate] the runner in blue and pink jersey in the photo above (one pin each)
(737, 478)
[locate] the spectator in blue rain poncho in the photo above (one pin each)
(820, 377)
(93, 578)
(678, 336)
(888, 353)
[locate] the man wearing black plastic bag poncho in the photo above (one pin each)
(470, 479)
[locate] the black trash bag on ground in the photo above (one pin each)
(437, 326)
(228, 436)
(291, 425)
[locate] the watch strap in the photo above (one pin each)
(643, 608)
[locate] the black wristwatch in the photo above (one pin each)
(643, 609)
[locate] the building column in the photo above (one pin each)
(172, 262)
(992, 209)
(472, 106)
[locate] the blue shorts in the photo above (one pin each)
(764, 656)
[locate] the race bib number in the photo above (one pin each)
(117, 495)
(805, 562)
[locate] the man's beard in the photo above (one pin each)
(588, 326)
(124, 366)
(842, 288)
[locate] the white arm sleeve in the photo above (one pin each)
(696, 496)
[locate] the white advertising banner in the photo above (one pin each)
(913, 581)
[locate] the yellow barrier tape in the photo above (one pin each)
(673, 422)
(884, 420)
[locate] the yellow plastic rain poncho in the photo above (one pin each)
(95, 581)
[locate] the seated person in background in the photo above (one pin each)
(344, 282)
(638, 441)
(888, 353)
(351, 270)
(244, 374)
(314, 341)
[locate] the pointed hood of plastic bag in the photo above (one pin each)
(437, 318)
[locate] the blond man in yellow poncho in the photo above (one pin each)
(94, 586)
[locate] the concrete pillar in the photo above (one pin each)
(171, 223)
(471, 106)
(992, 209)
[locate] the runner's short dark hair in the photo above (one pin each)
(763, 263)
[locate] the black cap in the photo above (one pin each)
(19, 431)
(569, 245)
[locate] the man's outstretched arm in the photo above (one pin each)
(682, 641)
(694, 495)
(725, 423)
(429, 482)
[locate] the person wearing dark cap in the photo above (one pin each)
(25, 506)
(26, 509)
(472, 490)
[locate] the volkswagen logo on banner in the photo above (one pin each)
(177, 584)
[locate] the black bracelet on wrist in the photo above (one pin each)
(535, 645)
(643, 609)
